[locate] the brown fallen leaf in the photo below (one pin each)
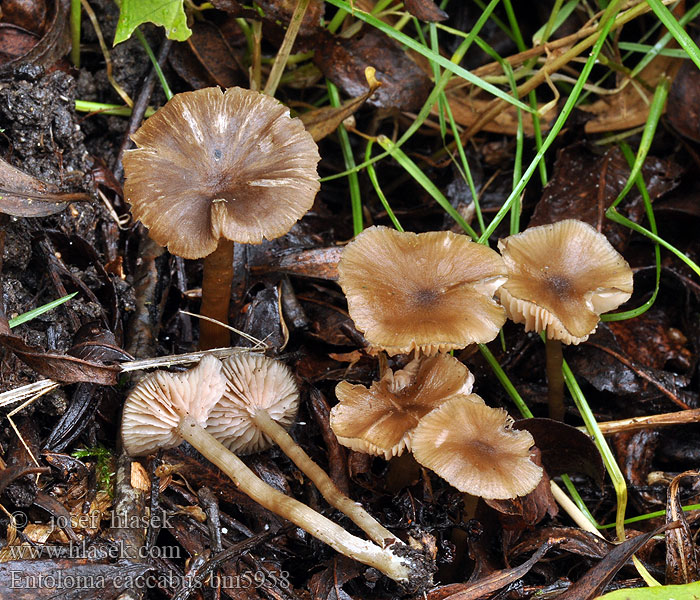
(61, 367)
(629, 107)
(681, 552)
(683, 108)
(487, 585)
(22, 195)
(594, 581)
(213, 51)
(53, 35)
(564, 448)
(516, 514)
(404, 84)
(324, 121)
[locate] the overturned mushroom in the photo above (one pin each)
(214, 168)
(163, 409)
(429, 291)
(381, 420)
(258, 404)
(474, 448)
(561, 278)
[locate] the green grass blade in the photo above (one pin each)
(429, 54)
(34, 313)
(607, 22)
(414, 171)
(641, 185)
(377, 188)
(608, 459)
(353, 179)
(676, 29)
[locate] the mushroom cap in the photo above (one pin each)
(213, 164)
(381, 420)
(561, 278)
(430, 291)
(253, 383)
(473, 447)
(156, 405)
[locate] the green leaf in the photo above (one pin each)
(168, 13)
(689, 591)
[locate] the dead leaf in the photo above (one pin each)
(681, 552)
(564, 448)
(585, 183)
(629, 107)
(487, 585)
(592, 584)
(216, 55)
(683, 107)
(53, 33)
(60, 367)
(525, 511)
(343, 61)
(324, 121)
(22, 195)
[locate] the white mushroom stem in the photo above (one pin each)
(393, 566)
(322, 481)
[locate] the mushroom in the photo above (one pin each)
(212, 168)
(429, 291)
(474, 448)
(259, 403)
(164, 408)
(561, 278)
(381, 420)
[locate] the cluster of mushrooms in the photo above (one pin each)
(433, 292)
(215, 168)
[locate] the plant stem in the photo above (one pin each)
(216, 295)
(286, 48)
(555, 380)
(75, 15)
(395, 567)
(323, 482)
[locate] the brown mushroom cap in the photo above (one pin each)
(561, 278)
(211, 164)
(381, 419)
(157, 404)
(253, 382)
(473, 447)
(432, 291)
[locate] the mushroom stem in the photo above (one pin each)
(323, 482)
(216, 295)
(555, 379)
(393, 566)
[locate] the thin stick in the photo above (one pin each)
(323, 482)
(681, 417)
(555, 380)
(286, 48)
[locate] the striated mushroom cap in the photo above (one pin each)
(561, 278)
(473, 447)
(213, 164)
(430, 291)
(156, 405)
(380, 420)
(253, 383)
